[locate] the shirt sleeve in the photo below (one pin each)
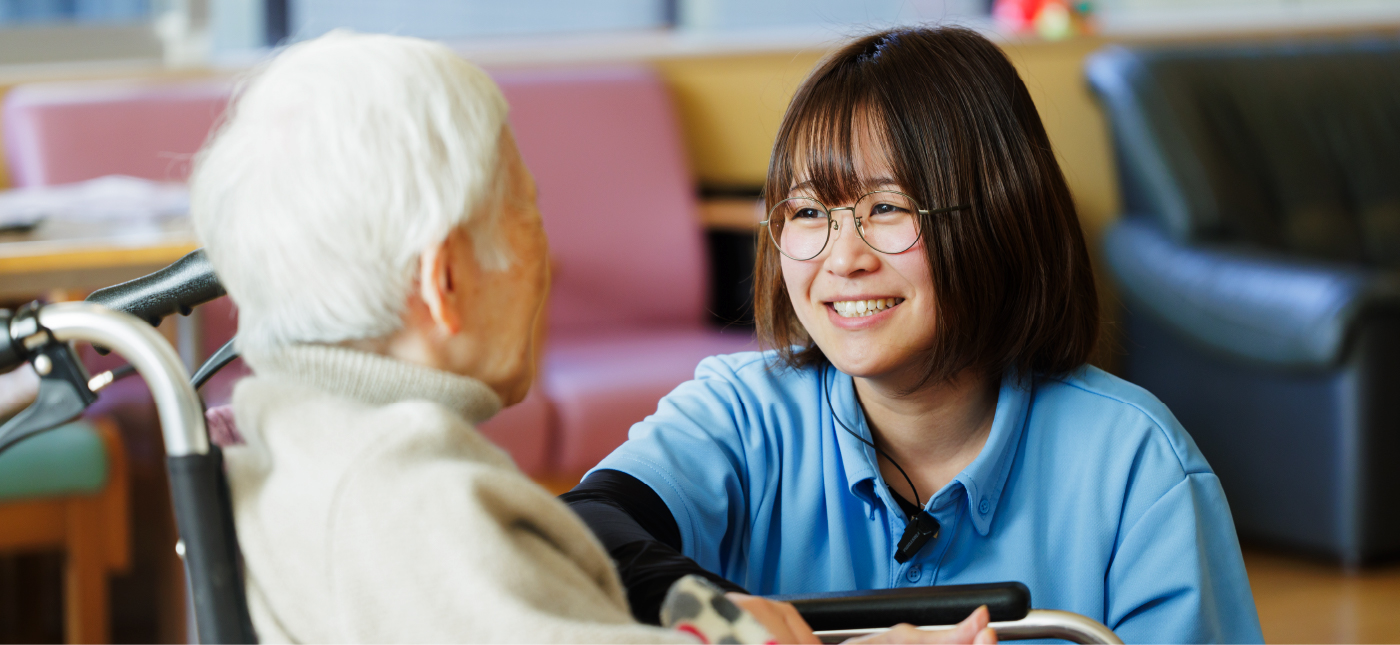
(700, 452)
(1177, 575)
(640, 535)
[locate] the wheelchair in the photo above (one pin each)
(121, 319)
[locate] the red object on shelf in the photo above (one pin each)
(1016, 15)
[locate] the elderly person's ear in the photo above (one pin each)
(440, 280)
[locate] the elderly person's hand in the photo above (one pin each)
(972, 629)
(17, 390)
(779, 618)
(787, 626)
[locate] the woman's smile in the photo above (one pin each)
(864, 312)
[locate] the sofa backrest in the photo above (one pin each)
(604, 145)
(616, 195)
(57, 133)
(1291, 147)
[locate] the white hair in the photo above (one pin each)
(336, 166)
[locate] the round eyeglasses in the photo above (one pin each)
(887, 220)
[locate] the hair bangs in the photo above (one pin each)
(816, 157)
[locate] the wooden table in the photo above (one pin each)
(86, 256)
(65, 261)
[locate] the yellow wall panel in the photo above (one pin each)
(730, 108)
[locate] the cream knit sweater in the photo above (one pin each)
(370, 510)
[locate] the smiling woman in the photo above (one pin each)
(925, 414)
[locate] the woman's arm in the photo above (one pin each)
(640, 534)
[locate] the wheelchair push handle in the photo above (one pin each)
(199, 493)
(178, 288)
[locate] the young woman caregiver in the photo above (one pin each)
(926, 415)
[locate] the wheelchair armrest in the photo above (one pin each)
(941, 605)
(1282, 311)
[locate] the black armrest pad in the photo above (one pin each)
(1249, 305)
(937, 605)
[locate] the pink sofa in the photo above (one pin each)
(627, 312)
(627, 319)
(57, 133)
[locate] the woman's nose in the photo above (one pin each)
(849, 254)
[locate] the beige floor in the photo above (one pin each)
(1302, 601)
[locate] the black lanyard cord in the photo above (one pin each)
(922, 527)
(917, 501)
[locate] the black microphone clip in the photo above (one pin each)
(922, 528)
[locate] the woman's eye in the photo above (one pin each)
(881, 209)
(807, 213)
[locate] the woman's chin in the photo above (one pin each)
(861, 366)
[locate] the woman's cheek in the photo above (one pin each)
(798, 276)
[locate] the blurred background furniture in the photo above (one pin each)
(1257, 258)
(627, 317)
(66, 490)
(627, 310)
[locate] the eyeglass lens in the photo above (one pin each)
(886, 220)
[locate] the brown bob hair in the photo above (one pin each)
(1011, 274)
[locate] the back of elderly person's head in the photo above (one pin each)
(337, 165)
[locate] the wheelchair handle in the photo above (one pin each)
(198, 490)
(181, 414)
(178, 288)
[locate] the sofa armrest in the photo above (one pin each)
(1243, 303)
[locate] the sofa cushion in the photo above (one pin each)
(602, 384)
(68, 460)
(525, 430)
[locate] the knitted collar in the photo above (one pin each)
(376, 379)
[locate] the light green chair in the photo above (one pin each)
(67, 489)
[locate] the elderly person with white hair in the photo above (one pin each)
(366, 208)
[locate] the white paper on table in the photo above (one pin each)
(110, 199)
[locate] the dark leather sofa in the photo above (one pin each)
(1258, 259)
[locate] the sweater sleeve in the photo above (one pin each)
(426, 548)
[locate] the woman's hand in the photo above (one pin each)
(779, 618)
(973, 629)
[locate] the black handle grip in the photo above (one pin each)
(178, 288)
(11, 354)
(204, 517)
(943, 605)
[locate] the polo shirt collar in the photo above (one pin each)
(983, 479)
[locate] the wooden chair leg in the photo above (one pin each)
(85, 575)
(98, 542)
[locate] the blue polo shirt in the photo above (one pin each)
(1088, 491)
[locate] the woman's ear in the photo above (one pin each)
(437, 286)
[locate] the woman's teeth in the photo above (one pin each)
(860, 308)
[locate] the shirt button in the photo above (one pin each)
(914, 573)
(984, 507)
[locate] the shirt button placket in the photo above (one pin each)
(914, 573)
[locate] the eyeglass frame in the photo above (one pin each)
(834, 224)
